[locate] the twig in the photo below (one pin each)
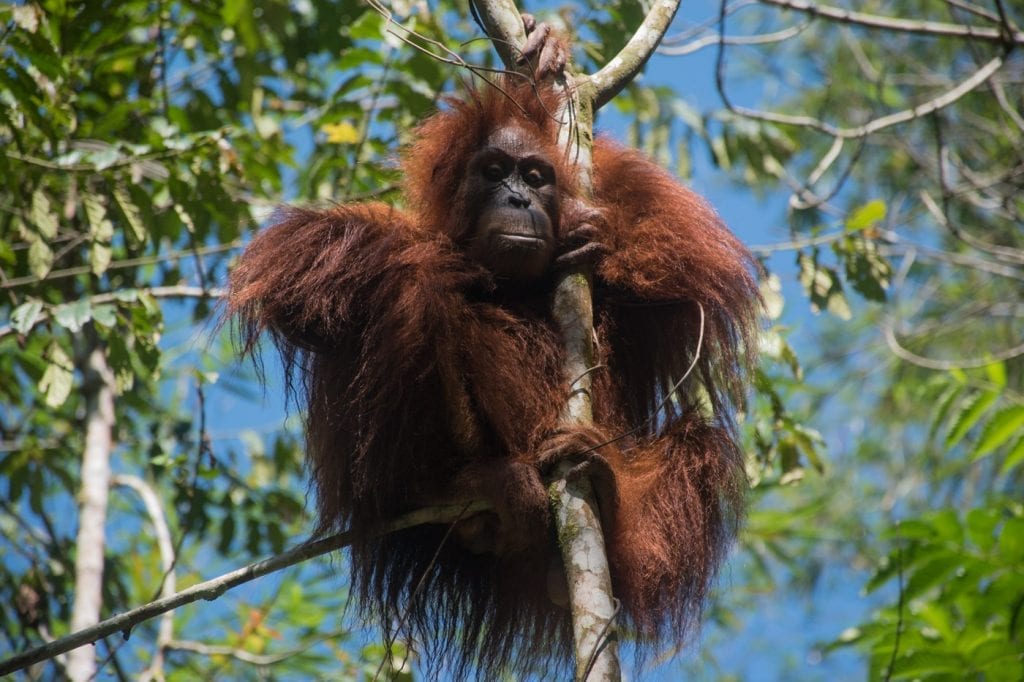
(714, 39)
(234, 652)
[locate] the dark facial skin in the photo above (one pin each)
(514, 186)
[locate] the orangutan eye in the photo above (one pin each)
(494, 172)
(534, 178)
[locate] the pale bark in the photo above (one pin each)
(98, 385)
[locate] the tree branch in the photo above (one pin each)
(624, 66)
(213, 588)
(179, 291)
(932, 28)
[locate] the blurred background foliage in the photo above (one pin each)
(143, 141)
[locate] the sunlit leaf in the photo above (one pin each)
(866, 216)
(1013, 458)
(40, 258)
(137, 230)
(44, 220)
(58, 377)
(341, 133)
(25, 316)
(1003, 425)
(967, 415)
(73, 315)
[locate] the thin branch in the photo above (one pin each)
(154, 509)
(973, 9)
(696, 30)
(932, 28)
(212, 589)
(234, 652)
(902, 352)
(180, 291)
(714, 39)
(1005, 253)
(126, 263)
(931, 106)
(819, 240)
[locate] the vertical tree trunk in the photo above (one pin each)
(98, 386)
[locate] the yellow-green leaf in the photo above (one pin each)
(40, 257)
(43, 218)
(100, 228)
(971, 410)
(25, 316)
(866, 216)
(1003, 426)
(137, 230)
(100, 255)
(1013, 458)
(58, 377)
(996, 372)
(341, 133)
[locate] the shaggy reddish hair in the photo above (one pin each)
(425, 382)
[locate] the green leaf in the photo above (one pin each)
(40, 258)
(923, 662)
(25, 316)
(105, 314)
(43, 218)
(74, 315)
(102, 160)
(1011, 541)
(132, 215)
(1013, 458)
(945, 403)
(101, 231)
(26, 17)
(981, 526)
(58, 377)
(100, 257)
(1005, 424)
(6, 252)
(866, 269)
(930, 574)
(996, 372)
(968, 414)
(720, 153)
(369, 26)
(866, 216)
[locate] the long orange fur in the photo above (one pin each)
(426, 381)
